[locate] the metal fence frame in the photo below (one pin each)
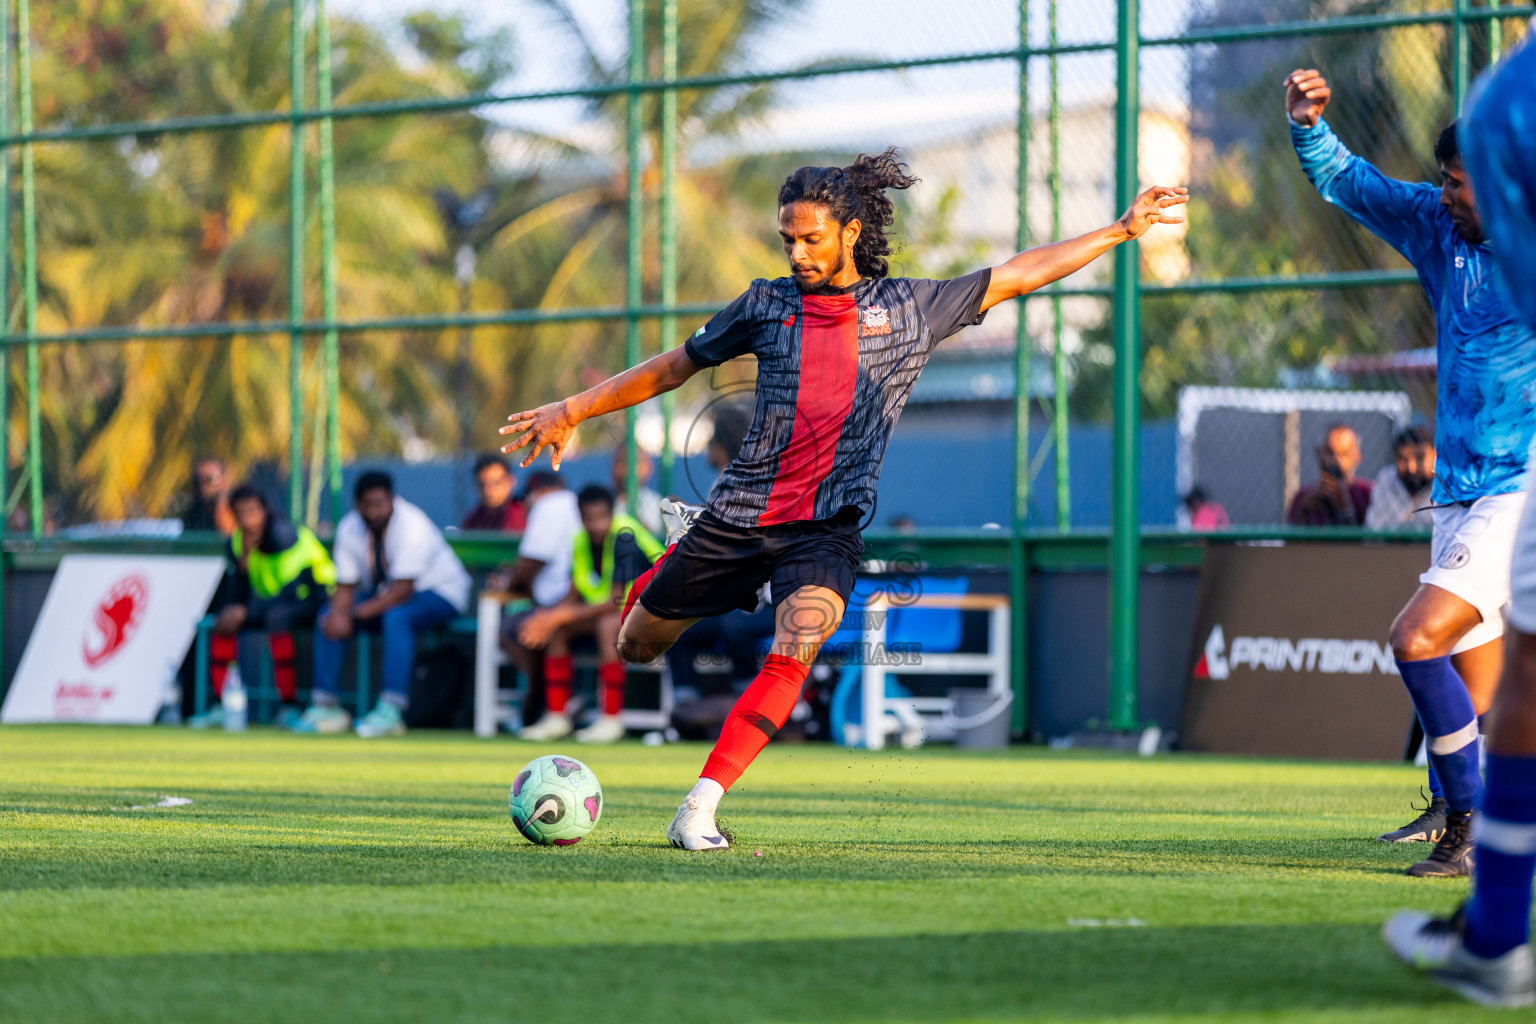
(1125, 540)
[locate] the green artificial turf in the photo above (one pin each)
(331, 879)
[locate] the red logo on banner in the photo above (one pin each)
(116, 618)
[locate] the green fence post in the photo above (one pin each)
(668, 225)
(1059, 421)
(328, 262)
(1018, 560)
(1125, 538)
(5, 308)
(296, 265)
(29, 270)
(634, 224)
(1495, 35)
(1459, 55)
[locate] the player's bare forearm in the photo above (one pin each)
(552, 425)
(1035, 268)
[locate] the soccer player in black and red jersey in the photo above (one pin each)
(839, 345)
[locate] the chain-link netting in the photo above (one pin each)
(513, 217)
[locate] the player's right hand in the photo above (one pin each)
(1306, 95)
(547, 426)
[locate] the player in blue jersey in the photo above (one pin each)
(1484, 949)
(1447, 640)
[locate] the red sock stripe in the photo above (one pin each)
(558, 673)
(758, 714)
(610, 680)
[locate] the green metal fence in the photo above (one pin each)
(1049, 42)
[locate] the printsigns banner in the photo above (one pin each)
(1291, 656)
(112, 628)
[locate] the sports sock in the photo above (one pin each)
(281, 646)
(1450, 727)
(1436, 791)
(633, 594)
(558, 673)
(708, 792)
(758, 714)
(610, 680)
(222, 649)
(1499, 915)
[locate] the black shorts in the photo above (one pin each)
(717, 567)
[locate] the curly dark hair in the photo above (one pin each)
(855, 192)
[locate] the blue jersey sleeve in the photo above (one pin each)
(1400, 213)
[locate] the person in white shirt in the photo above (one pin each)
(1402, 495)
(543, 567)
(396, 574)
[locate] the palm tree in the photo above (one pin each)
(191, 228)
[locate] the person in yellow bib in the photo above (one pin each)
(282, 576)
(609, 553)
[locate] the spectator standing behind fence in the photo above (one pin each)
(395, 574)
(1404, 491)
(607, 555)
(282, 577)
(208, 507)
(1337, 499)
(498, 509)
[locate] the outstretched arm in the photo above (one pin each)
(1038, 267)
(1398, 212)
(551, 425)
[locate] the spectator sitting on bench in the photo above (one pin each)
(282, 576)
(395, 573)
(498, 509)
(609, 553)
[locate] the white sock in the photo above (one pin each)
(708, 792)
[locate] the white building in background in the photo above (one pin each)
(980, 167)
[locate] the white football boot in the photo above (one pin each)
(1434, 946)
(604, 729)
(694, 828)
(677, 516)
(555, 725)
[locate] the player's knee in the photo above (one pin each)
(1412, 641)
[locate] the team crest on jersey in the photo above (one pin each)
(874, 320)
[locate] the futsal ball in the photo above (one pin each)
(555, 801)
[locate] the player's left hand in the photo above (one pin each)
(1154, 206)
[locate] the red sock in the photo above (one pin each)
(610, 680)
(758, 714)
(558, 673)
(281, 645)
(640, 581)
(222, 650)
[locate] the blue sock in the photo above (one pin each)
(1499, 915)
(1436, 791)
(1450, 728)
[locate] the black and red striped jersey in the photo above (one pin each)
(833, 373)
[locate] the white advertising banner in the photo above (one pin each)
(112, 628)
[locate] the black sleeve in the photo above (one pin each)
(628, 560)
(947, 306)
(727, 335)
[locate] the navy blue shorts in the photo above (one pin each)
(718, 567)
